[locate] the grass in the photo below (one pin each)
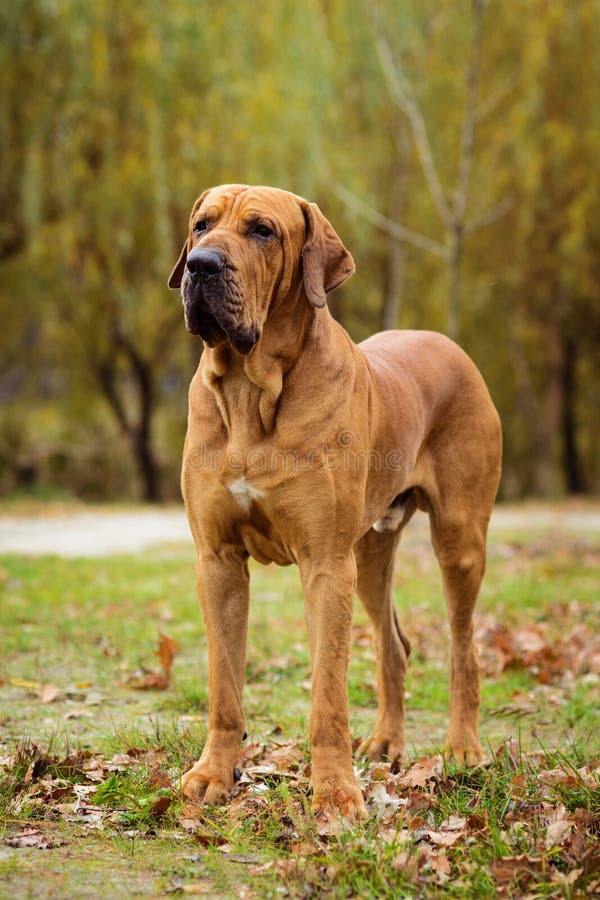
(89, 769)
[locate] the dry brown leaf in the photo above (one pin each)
(78, 713)
(411, 860)
(381, 801)
(510, 752)
(197, 887)
(36, 768)
(303, 848)
(160, 807)
(520, 869)
(158, 681)
(559, 826)
(167, 648)
(48, 693)
(425, 770)
(440, 865)
(157, 778)
(153, 681)
(33, 837)
(418, 799)
(285, 756)
(449, 832)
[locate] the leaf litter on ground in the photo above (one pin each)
(548, 830)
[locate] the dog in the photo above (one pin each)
(303, 447)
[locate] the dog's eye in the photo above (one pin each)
(262, 231)
(200, 226)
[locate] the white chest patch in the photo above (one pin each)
(244, 493)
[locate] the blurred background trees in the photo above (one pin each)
(454, 145)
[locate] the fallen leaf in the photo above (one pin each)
(520, 869)
(153, 681)
(160, 806)
(243, 859)
(158, 681)
(440, 864)
(425, 770)
(559, 826)
(159, 779)
(380, 801)
(167, 648)
(449, 832)
(48, 693)
(24, 683)
(197, 887)
(510, 752)
(36, 768)
(33, 837)
(78, 713)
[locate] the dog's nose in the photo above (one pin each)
(205, 261)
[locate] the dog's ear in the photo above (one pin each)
(325, 261)
(177, 273)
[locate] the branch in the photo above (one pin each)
(105, 373)
(468, 131)
(401, 93)
(494, 99)
(489, 216)
(388, 225)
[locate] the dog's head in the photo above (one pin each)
(247, 248)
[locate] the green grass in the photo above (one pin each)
(87, 627)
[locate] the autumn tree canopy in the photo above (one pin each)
(454, 145)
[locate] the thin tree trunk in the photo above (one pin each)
(396, 250)
(454, 262)
(147, 466)
(574, 477)
(452, 213)
(142, 443)
(548, 424)
(137, 430)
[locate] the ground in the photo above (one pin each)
(96, 729)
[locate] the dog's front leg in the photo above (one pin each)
(329, 585)
(223, 591)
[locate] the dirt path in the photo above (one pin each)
(102, 532)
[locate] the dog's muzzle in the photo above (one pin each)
(211, 305)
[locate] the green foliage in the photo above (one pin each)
(113, 118)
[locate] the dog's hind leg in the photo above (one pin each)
(375, 554)
(459, 544)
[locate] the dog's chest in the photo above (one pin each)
(244, 492)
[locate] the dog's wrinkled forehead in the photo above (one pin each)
(240, 202)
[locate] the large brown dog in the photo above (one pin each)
(305, 448)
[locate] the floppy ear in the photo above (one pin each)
(177, 273)
(325, 261)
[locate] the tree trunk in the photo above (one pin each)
(137, 429)
(549, 422)
(454, 262)
(142, 441)
(571, 460)
(396, 250)
(147, 464)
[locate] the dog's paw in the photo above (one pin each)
(199, 787)
(382, 749)
(337, 807)
(464, 754)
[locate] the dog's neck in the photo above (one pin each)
(258, 378)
